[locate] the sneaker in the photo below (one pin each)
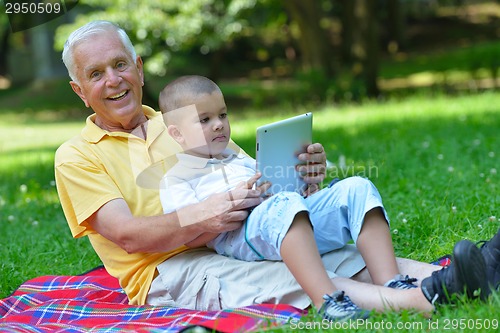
(401, 282)
(491, 253)
(466, 275)
(339, 307)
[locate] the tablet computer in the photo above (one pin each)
(277, 147)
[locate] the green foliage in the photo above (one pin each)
(160, 28)
(256, 39)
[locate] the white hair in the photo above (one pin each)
(84, 33)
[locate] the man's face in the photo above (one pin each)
(109, 81)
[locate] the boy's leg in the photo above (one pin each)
(264, 230)
(353, 209)
(375, 245)
(300, 253)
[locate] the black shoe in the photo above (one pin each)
(466, 275)
(339, 307)
(491, 254)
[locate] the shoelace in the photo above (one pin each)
(341, 301)
(401, 282)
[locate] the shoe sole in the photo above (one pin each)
(471, 269)
(491, 256)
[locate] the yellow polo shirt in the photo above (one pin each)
(98, 166)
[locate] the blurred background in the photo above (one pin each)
(265, 52)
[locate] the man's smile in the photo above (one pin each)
(119, 96)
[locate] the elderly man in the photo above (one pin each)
(96, 175)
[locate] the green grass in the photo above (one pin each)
(465, 59)
(434, 160)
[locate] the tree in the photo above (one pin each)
(395, 24)
(211, 27)
(159, 28)
(4, 44)
(315, 47)
(360, 44)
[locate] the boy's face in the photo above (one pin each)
(204, 128)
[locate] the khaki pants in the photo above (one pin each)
(203, 280)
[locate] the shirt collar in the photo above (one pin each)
(93, 133)
(196, 162)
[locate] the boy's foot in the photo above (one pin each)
(491, 253)
(401, 282)
(465, 275)
(339, 307)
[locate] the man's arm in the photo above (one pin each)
(175, 193)
(219, 213)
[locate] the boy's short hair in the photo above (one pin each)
(180, 92)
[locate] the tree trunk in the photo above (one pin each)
(4, 49)
(395, 25)
(372, 50)
(314, 44)
(365, 45)
(348, 22)
(216, 59)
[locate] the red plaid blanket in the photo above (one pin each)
(95, 302)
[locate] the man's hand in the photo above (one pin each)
(223, 212)
(313, 171)
(229, 207)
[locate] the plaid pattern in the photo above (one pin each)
(443, 261)
(95, 302)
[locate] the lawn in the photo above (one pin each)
(434, 160)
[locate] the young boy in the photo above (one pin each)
(286, 226)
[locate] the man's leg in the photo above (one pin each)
(413, 268)
(379, 298)
(466, 275)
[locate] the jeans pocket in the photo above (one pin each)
(208, 295)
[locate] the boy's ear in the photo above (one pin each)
(175, 133)
(76, 88)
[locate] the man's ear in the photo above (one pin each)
(140, 68)
(175, 133)
(76, 88)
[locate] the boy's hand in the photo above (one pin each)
(251, 183)
(314, 169)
